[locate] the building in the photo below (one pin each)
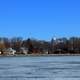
(24, 50)
(9, 51)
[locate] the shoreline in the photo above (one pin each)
(38, 55)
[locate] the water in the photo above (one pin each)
(40, 68)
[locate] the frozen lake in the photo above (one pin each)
(40, 68)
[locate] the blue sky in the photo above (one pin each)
(41, 19)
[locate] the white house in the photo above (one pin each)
(24, 50)
(10, 51)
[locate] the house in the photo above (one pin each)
(9, 51)
(24, 50)
(45, 52)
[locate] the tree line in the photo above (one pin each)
(54, 46)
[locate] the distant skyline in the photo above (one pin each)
(41, 19)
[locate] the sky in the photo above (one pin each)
(40, 19)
